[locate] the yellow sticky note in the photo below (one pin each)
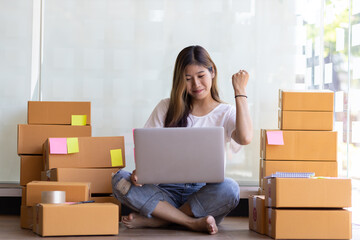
(78, 120)
(72, 145)
(116, 158)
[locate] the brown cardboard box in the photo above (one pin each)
(301, 145)
(307, 192)
(30, 168)
(107, 199)
(32, 137)
(26, 217)
(301, 120)
(94, 152)
(100, 178)
(306, 100)
(257, 213)
(320, 168)
(308, 224)
(75, 191)
(76, 219)
(57, 113)
(23, 196)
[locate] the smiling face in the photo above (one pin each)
(198, 81)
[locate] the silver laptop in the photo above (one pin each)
(179, 155)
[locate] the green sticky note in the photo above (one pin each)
(78, 120)
(72, 145)
(116, 158)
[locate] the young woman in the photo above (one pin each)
(194, 102)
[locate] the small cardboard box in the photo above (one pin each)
(320, 168)
(76, 219)
(100, 178)
(26, 217)
(308, 223)
(322, 101)
(301, 120)
(301, 146)
(75, 191)
(32, 137)
(307, 192)
(57, 113)
(107, 199)
(257, 213)
(94, 152)
(30, 168)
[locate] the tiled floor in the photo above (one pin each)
(231, 228)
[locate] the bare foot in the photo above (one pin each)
(205, 224)
(135, 220)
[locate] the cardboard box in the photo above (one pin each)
(257, 213)
(76, 219)
(94, 152)
(57, 113)
(107, 199)
(301, 145)
(319, 100)
(75, 191)
(30, 168)
(26, 217)
(307, 192)
(320, 168)
(301, 120)
(23, 196)
(308, 224)
(100, 178)
(32, 137)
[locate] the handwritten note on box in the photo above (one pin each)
(58, 145)
(275, 137)
(78, 120)
(73, 145)
(116, 158)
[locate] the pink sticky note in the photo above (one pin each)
(275, 137)
(58, 145)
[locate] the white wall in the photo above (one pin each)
(15, 71)
(120, 55)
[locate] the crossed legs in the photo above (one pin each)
(202, 212)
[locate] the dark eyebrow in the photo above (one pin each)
(196, 73)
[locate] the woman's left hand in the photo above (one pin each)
(239, 81)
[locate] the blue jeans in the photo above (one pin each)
(215, 199)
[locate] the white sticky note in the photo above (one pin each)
(317, 46)
(355, 35)
(328, 73)
(339, 128)
(339, 101)
(317, 77)
(355, 132)
(308, 76)
(355, 7)
(309, 48)
(355, 67)
(340, 39)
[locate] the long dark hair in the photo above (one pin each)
(180, 101)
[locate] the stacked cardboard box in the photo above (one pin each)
(59, 133)
(45, 120)
(308, 208)
(305, 142)
(94, 161)
(70, 218)
(308, 142)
